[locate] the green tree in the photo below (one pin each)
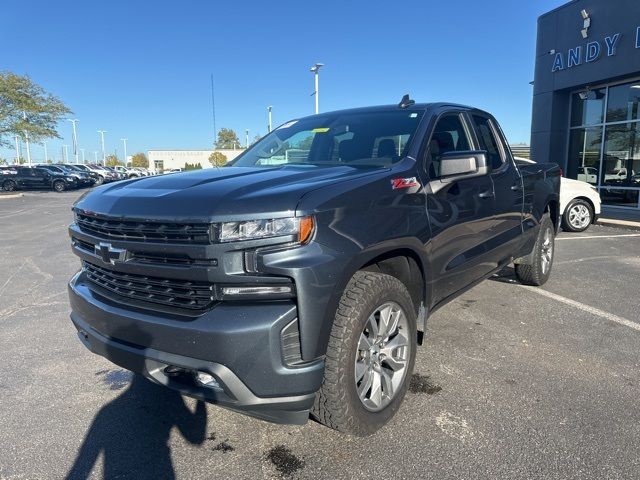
(218, 159)
(27, 109)
(3, 161)
(192, 166)
(140, 160)
(112, 161)
(227, 139)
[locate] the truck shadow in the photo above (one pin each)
(132, 433)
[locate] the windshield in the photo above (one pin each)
(373, 139)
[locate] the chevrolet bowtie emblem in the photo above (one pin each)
(110, 254)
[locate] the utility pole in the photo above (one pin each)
(26, 141)
(213, 112)
(104, 156)
(124, 140)
(246, 133)
(46, 156)
(17, 139)
(269, 109)
(66, 154)
(316, 69)
(75, 138)
(95, 156)
(82, 151)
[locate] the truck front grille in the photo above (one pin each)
(143, 231)
(170, 292)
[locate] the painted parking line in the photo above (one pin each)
(587, 308)
(599, 236)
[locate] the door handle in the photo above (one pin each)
(487, 194)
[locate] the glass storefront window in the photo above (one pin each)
(584, 154)
(624, 102)
(621, 166)
(588, 110)
(619, 197)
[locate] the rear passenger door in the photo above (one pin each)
(507, 184)
(460, 212)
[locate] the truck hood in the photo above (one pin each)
(228, 193)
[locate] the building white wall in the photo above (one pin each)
(177, 158)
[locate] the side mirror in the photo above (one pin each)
(464, 164)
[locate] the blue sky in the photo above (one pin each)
(141, 69)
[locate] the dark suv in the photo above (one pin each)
(300, 277)
(36, 178)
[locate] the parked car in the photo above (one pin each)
(7, 169)
(81, 179)
(580, 202)
(36, 178)
(93, 175)
(106, 174)
(128, 172)
(287, 284)
(173, 170)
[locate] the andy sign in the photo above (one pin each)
(590, 52)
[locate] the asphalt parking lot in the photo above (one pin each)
(512, 382)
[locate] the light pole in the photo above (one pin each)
(17, 139)
(95, 156)
(26, 139)
(82, 151)
(246, 137)
(104, 157)
(46, 156)
(75, 138)
(66, 154)
(269, 109)
(124, 140)
(315, 69)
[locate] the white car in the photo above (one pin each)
(579, 203)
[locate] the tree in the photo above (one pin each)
(227, 139)
(218, 159)
(192, 166)
(112, 161)
(140, 160)
(3, 161)
(27, 109)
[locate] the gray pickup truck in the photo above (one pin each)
(298, 279)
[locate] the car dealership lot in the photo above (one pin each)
(512, 382)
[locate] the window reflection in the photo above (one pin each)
(621, 155)
(584, 154)
(587, 108)
(624, 102)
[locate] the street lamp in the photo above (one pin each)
(75, 138)
(17, 139)
(246, 133)
(315, 69)
(66, 154)
(269, 109)
(46, 156)
(104, 157)
(26, 139)
(95, 156)
(82, 150)
(124, 140)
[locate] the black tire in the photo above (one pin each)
(9, 186)
(543, 251)
(577, 216)
(337, 403)
(59, 186)
(99, 181)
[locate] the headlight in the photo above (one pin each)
(301, 227)
(71, 179)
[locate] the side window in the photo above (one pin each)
(488, 141)
(449, 135)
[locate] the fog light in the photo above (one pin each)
(207, 380)
(240, 291)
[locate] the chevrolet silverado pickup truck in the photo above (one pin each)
(298, 279)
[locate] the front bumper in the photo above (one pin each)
(239, 344)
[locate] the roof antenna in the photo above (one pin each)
(406, 102)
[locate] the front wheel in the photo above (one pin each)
(370, 355)
(59, 186)
(577, 216)
(9, 186)
(539, 271)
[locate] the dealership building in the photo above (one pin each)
(164, 160)
(586, 104)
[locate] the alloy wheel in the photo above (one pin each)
(579, 216)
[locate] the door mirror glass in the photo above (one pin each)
(464, 164)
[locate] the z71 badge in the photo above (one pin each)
(404, 183)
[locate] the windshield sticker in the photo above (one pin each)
(287, 125)
(413, 115)
(409, 182)
(320, 130)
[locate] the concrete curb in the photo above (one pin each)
(610, 222)
(11, 195)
